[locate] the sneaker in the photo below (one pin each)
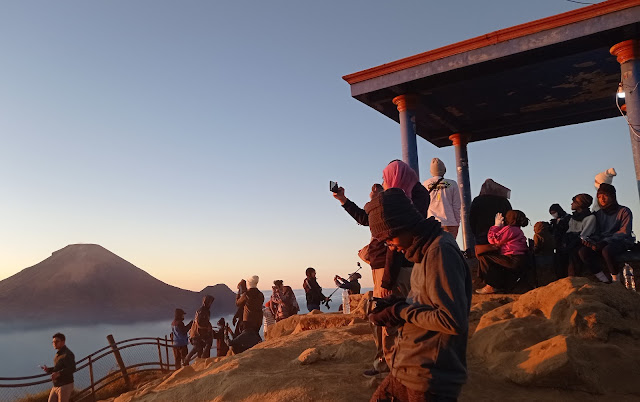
(487, 290)
(371, 373)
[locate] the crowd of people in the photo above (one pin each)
(422, 283)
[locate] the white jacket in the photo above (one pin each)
(445, 201)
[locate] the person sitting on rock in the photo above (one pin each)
(429, 358)
(351, 285)
(201, 330)
(582, 226)
(313, 291)
(512, 243)
(493, 198)
(612, 237)
(283, 301)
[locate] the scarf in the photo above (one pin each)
(580, 215)
(400, 175)
(425, 232)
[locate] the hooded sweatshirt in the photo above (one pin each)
(201, 327)
(432, 344)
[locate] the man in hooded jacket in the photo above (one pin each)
(201, 330)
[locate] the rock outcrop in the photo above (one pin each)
(573, 333)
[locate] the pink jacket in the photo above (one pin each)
(511, 239)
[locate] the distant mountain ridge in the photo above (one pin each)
(88, 284)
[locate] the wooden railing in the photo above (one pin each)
(120, 370)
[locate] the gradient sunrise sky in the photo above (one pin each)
(196, 139)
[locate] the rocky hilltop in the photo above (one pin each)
(88, 284)
(573, 340)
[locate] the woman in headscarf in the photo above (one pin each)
(493, 199)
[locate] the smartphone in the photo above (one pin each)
(333, 186)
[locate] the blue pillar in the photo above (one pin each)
(408, 136)
(464, 183)
(628, 54)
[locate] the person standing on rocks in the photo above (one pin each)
(445, 198)
(250, 300)
(283, 301)
(201, 330)
(180, 337)
(313, 291)
(64, 365)
(429, 360)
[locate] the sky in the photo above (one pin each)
(196, 139)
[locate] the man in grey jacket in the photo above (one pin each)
(429, 361)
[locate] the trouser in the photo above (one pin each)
(393, 390)
(61, 394)
(385, 337)
(179, 353)
(451, 229)
(608, 253)
(206, 351)
(313, 306)
(496, 269)
(198, 347)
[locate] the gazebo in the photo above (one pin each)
(561, 70)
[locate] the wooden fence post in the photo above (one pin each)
(166, 346)
(116, 354)
(93, 388)
(160, 355)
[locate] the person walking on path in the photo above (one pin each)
(445, 198)
(201, 330)
(64, 365)
(180, 337)
(429, 360)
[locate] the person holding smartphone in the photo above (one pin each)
(64, 365)
(390, 270)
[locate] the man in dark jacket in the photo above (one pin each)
(201, 330)
(251, 301)
(429, 361)
(312, 290)
(64, 365)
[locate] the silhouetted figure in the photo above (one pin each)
(201, 330)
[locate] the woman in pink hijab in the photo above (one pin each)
(400, 175)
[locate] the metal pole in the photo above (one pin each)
(408, 133)
(116, 354)
(628, 54)
(464, 183)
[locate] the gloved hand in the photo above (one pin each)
(499, 219)
(388, 316)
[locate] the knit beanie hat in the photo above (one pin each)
(608, 189)
(583, 200)
(252, 281)
(605, 177)
(437, 167)
(390, 213)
